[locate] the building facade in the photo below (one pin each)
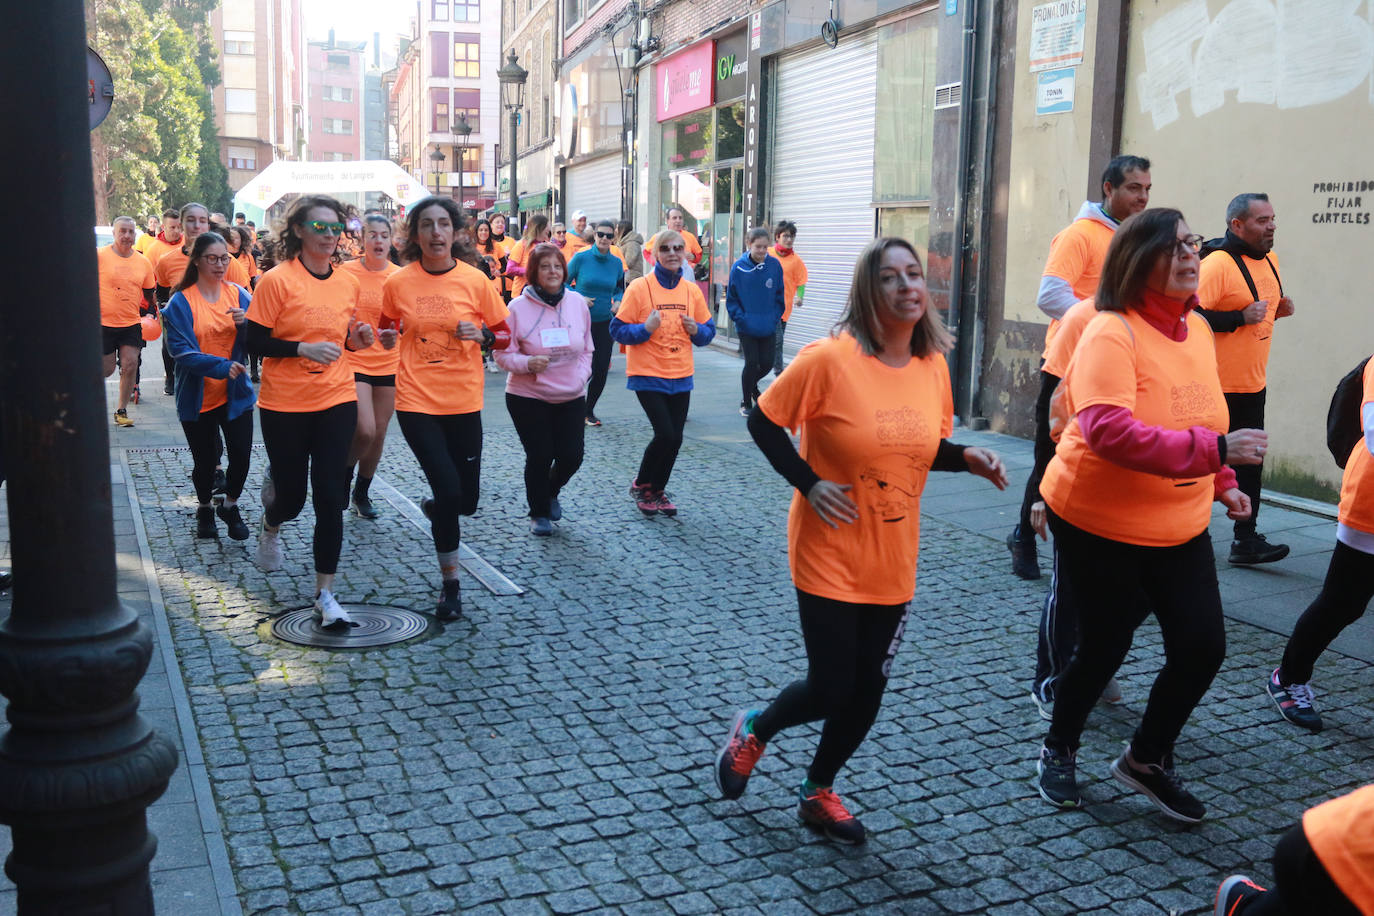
(530, 28)
(336, 124)
(260, 104)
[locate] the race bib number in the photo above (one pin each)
(553, 338)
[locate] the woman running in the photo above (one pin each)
(598, 273)
(536, 231)
(754, 301)
(549, 361)
(440, 303)
(303, 320)
(490, 252)
(205, 320)
(194, 222)
(631, 245)
(874, 407)
(1129, 495)
(659, 363)
(505, 243)
(794, 281)
(374, 369)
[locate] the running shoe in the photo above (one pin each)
(121, 418)
(363, 508)
(1043, 706)
(1111, 694)
(1161, 785)
(1254, 550)
(647, 501)
(592, 420)
(205, 522)
(1025, 561)
(541, 527)
(737, 758)
(220, 482)
(450, 602)
(233, 521)
(268, 494)
(167, 389)
(636, 488)
(664, 505)
(1234, 894)
(1058, 783)
(555, 509)
(331, 612)
(427, 507)
(744, 408)
(825, 812)
(270, 555)
(1295, 703)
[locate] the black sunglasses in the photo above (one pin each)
(605, 235)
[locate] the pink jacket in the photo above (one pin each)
(564, 334)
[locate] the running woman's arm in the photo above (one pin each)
(628, 334)
(777, 447)
(259, 341)
(149, 306)
(1223, 322)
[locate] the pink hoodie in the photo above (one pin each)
(564, 334)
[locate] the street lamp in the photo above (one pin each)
(436, 157)
(464, 130)
(512, 77)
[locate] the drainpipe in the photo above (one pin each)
(964, 308)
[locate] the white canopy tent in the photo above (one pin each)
(282, 178)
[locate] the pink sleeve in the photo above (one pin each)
(1224, 480)
(1116, 435)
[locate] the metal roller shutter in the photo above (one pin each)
(822, 168)
(595, 188)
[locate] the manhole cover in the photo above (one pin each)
(376, 625)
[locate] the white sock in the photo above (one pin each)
(448, 565)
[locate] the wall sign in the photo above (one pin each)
(1054, 91)
(1057, 34)
(732, 65)
(685, 80)
(1343, 202)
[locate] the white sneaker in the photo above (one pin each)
(268, 494)
(270, 555)
(327, 606)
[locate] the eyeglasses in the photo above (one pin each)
(667, 248)
(320, 227)
(560, 232)
(605, 235)
(1187, 245)
(216, 258)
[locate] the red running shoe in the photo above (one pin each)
(664, 505)
(825, 812)
(737, 758)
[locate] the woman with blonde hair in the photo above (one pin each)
(536, 231)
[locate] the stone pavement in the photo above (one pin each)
(551, 752)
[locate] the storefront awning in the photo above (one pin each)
(527, 202)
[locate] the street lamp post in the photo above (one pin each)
(512, 77)
(436, 157)
(464, 130)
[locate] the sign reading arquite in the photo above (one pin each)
(1057, 34)
(685, 81)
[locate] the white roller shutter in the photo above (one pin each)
(594, 187)
(822, 171)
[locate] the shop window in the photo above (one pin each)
(730, 132)
(905, 111)
(687, 141)
(466, 57)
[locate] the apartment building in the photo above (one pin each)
(335, 115)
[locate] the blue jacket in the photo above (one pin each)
(754, 297)
(600, 278)
(193, 366)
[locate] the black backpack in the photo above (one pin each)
(1212, 246)
(1343, 427)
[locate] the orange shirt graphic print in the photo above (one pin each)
(435, 340)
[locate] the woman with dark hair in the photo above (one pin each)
(245, 254)
(536, 231)
(874, 408)
(505, 243)
(598, 273)
(660, 319)
(490, 252)
(631, 245)
(549, 361)
(205, 319)
(754, 301)
(303, 321)
(237, 273)
(167, 272)
(374, 369)
(1129, 496)
(437, 307)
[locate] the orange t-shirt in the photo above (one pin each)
(296, 305)
(1162, 382)
(519, 254)
(439, 374)
(143, 241)
(122, 282)
(170, 268)
(1339, 833)
(1357, 484)
(693, 247)
(875, 428)
(156, 249)
(1076, 256)
(215, 333)
(1071, 328)
(573, 245)
(793, 276)
(668, 351)
(237, 273)
(250, 263)
(376, 359)
(1242, 354)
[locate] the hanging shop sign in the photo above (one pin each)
(732, 65)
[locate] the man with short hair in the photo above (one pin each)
(169, 239)
(126, 290)
(240, 219)
(677, 221)
(1071, 273)
(577, 235)
(1241, 296)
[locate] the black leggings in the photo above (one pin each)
(449, 449)
(1301, 883)
(552, 435)
(849, 653)
(758, 362)
(202, 435)
(1115, 585)
(668, 415)
(601, 363)
(314, 445)
(1344, 596)
(1247, 412)
(1044, 451)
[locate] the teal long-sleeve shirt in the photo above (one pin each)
(600, 278)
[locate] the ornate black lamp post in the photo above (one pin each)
(78, 765)
(464, 130)
(437, 157)
(512, 77)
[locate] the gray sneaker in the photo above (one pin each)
(270, 555)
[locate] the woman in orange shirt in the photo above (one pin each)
(1129, 496)
(436, 307)
(303, 320)
(536, 231)
(874, 409)
(374, 369)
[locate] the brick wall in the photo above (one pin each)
(683, 22)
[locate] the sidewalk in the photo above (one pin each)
(551, 752)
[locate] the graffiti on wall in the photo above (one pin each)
(1288, 53)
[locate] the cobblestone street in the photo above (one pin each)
(551, 752)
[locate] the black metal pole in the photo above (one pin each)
(514, 172)
(78, 765)
(460, 150)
